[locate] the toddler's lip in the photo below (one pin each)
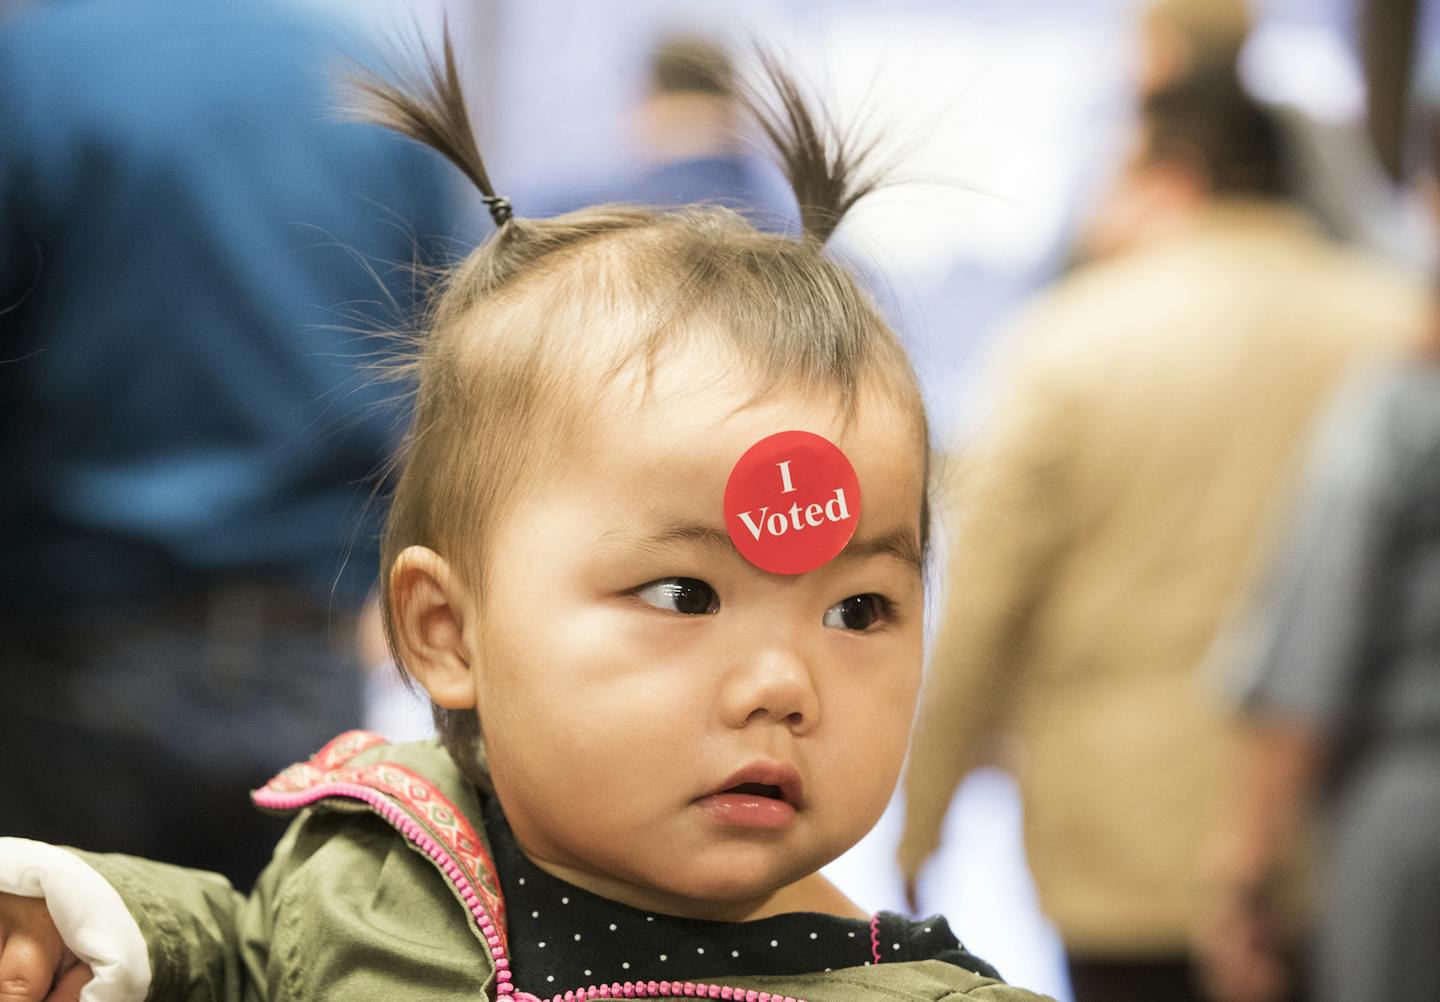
(783, 777)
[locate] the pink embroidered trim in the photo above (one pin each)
(343, 747)
(417, 835)
(660, 989)
(441, 819)
(875, 936)
(337, 753)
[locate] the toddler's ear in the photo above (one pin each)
(430, 605)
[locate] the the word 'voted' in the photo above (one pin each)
(777, 524)
(792, 502)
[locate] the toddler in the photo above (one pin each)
(656, 556)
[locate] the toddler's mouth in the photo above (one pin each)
(763, 780)
(758, 790)
(763, 796)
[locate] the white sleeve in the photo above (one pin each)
(92, 919)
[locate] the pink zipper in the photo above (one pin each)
(504, 984)
(660, 990)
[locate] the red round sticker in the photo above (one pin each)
(792, 502)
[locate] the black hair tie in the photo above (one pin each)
(500, 209)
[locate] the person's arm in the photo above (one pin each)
(1009, 523)
(1246, 939)
(146, 930)
(1279, 761)
(194, 926)
(44, 889)
(1302, 660)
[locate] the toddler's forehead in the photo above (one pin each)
(683, 432)
(677, 422)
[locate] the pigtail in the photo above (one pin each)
(829, 169)
(427, 104)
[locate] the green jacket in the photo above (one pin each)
(384, 888)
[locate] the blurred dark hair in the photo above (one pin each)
(690, 64)
(1390, 51)
(1423, 118)
(1206, 121)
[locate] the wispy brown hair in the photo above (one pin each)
(505, 369)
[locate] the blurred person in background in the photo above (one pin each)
(1180, 38)
(187, 426)
(690, 143)
(1109, 512)
(1339, 672)
(1331, 167)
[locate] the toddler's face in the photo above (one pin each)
(631, 666)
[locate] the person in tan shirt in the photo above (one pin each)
(1111, 511)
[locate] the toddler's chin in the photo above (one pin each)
(733, 886)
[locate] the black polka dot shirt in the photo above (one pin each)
(562, 937)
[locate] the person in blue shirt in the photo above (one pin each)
(196, 255)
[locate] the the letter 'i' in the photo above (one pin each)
(785, 477)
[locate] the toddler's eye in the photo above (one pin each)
(688, 596)
(858, 612)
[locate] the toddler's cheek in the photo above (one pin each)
(864, 787)
(878, 732)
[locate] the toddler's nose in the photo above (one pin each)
(773, 684)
